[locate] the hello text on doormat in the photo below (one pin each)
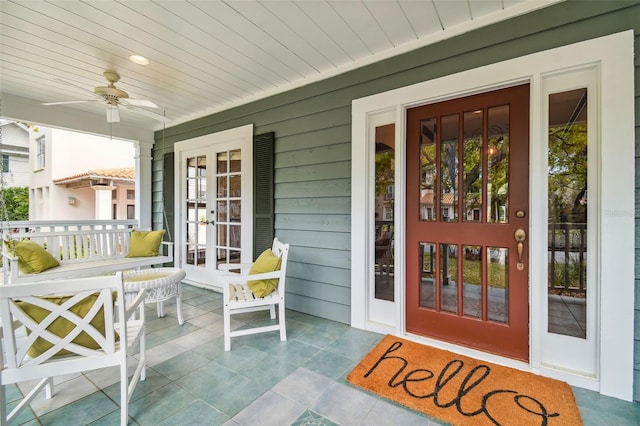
(463, 390)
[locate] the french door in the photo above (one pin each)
(215, 203)
(467, 221)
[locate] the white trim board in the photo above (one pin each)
(612, 56)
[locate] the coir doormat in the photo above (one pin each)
(462, 390)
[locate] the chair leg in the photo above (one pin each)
(227, 328)
(281, 320)
(124, 395)
(179, 309)
(3, 406)
(272, 310)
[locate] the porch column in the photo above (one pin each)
(104, 203)
(143, 183)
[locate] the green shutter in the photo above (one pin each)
(263, 203)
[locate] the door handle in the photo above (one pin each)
(520, 236)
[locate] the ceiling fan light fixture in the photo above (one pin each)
(139, 59)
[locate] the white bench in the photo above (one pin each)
(83, 248)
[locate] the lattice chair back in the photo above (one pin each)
(60, 327)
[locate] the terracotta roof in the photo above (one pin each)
(120, 174)
(427, 198)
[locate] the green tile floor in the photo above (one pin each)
(262, 381)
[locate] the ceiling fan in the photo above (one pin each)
(114, 98)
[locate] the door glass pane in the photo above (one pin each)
(384, 223)
(498, 284)
(234, 210)
(234, 186)
(472, 280)
(449, 278)
(222, 211)
(196, 211)
(228, 232)
(567, 207)
(449, 169)
(427, 169)
(427, 275)
(235, 163)
(472, 166)
(498, 164)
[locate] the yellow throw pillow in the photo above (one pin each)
(62, 326)
(266, 262)
(32, 257)
(145, 243)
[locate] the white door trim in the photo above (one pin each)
(613, 56)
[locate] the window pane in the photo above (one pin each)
(384, 223)
(427, 169)
(427, 275)
(498, 280)
(449, 278)
(235, 163)
(449, 169)
(472, 279)
(498, 164)
(567, 207)
(472, 166)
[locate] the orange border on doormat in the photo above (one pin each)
(462, 390)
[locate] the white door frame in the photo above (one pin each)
(612, 56)
(240, 137)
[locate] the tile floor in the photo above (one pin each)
(262, 381)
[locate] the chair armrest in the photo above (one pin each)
(243, 267)
(238, 278)
(137, 303)
(168, 248)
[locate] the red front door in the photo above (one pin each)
(468, 220)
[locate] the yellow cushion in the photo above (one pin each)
(32, 257)
(266, 262)
(62, 326)
(145, 243)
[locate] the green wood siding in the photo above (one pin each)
(312, 125)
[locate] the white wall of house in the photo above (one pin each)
(67, 154)
(15, 144)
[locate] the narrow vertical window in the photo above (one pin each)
(41, 155)
(567, 207)
(384, 232)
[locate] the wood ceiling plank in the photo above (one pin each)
(364, 25)
(306, 27)
(338, 30)
(422, 16)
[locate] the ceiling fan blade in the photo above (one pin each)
(153, 115)
(113, 114)
(69, 102)
(139, 102)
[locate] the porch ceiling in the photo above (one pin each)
(206, 56)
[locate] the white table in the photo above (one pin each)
(161, 284)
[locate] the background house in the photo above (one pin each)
(15, 153)
(80, 176)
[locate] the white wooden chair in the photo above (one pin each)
(238, 297)
(85, 307)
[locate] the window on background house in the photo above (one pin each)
(131, 194)
(114, 194)
(114, 211)
(5, 162)
(41, 156)
(131, 211)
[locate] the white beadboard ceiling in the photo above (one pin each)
(208, 55)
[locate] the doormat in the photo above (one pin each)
(462, 390)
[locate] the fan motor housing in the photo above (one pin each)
(110, 93)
